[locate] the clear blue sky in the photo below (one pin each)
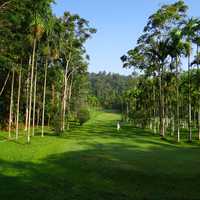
(119, 24)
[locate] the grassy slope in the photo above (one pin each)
(97, 163)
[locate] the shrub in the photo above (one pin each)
(83, 115)
(56, 123)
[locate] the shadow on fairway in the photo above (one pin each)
(132, 164)
(105, 171)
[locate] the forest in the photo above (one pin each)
(108, 89)
(165, 97)
(67, 132)
(43, 67)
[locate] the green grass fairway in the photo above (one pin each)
(95, 162)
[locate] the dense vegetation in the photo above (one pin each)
(108, 89)
(43, 67)
(164, 97)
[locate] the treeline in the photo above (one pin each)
(107, 89)
(43, 67)
(165, 98)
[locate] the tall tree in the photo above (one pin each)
(189, 30)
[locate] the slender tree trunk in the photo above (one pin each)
(194, 118)
(177, 102)
(18, 103)
(38, 117)
(64, 102)
(173, 126)
(69, 99)
(44, 95)
(34, 99)
(11, 104)
(162, 113)
(199, 92)
(65, 95)
(154, 110)
(31, 90)
(27, 95)
(189, 102)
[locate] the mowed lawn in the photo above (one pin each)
(95, 162)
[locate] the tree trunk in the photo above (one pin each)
(189, 102)
(44, 95)
(34, 99)
(27, 95)
(11, 104)
(69, 98)
(65, 96)
(177, 102)
(18, 103)
(199, 92)
(52, 96)
(31, 90)
(154, 110)
(162, 113)
(38, 117)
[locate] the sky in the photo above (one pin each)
(119, 23)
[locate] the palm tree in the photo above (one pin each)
(196, 40)
(49, 34)
(189, 30)
(44, 93)
(38, 30)
(27, 94)
(176, 49)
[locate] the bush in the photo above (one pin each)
(56, 123)
(83, 115)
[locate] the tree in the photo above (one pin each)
(76, 32)
(196, 40)
(176, 49)
(152, 52)
(189, 30)
(18, 101)
(50, 63)
(11, 103)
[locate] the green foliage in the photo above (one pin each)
(167, 95)
(56, 123)
(83, 115)
(60, 45)
(108, 89)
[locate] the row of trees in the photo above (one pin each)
(43, 66)
(165, 97)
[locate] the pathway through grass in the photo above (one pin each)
(95, 162)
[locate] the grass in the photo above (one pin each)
(95, 162)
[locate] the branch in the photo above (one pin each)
(3, 6)
(71, 73)
(5, 83)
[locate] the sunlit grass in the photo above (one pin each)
(97, 162)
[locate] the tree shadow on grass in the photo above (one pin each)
(126, 165)
(114, 171)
